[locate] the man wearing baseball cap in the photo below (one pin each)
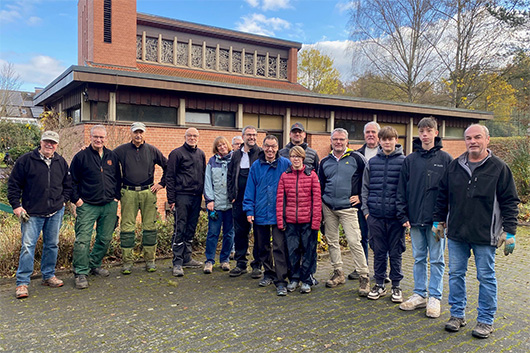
(297, 136)
(41, 180)
(138, 192)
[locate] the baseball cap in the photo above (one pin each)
(297, 126)
(50, 136)
(137, 126)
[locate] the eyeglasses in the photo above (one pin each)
(265, 147)
(192, 136)
(299, 157)
(98, 137)
(251, 135)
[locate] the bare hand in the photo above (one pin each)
(18, 211)
(79, 203)
(250, 219)
(366, 216)
(172, 207)
(156, 187)
(406, 224)
(354, 200)
(210, 206)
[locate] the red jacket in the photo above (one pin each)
(298, 199)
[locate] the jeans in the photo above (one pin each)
(224, 219)
(31, 229)
(423, 244)
(459, 253)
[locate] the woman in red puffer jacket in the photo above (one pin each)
(299, 212)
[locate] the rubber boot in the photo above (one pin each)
(149, 257)
(127, 259)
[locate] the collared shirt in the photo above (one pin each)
(245, 162)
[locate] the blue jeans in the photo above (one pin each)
(459, 253)
(31, 229)
(224, 219)
(423, 244)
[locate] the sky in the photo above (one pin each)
(39, 37)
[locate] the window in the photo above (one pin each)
(354, 128)
(145, 113)
(227, 119)
(99, 111)
(197, 118)
(107, 21)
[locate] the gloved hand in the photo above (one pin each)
(438, 230)
(509, 242)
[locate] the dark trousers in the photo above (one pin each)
(187, 209)
(277, 270)
(387, 240)
(241, 232)
(364, 232)
(302, 247)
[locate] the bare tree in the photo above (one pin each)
(9, 82)
(398, 38)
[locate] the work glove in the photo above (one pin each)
(509, 242)
(24, 217)
(438, 231)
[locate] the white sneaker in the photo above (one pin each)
(433, 308)
(414, 302)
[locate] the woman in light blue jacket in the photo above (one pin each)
(218, 205)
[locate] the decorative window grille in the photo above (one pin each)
(139, 47)
(182, 54)
(196, 56)
(223, 59)
(272, 67)
(236, 62)
(167, 51)
(261, 66)
(151, 49)
(283, 68)
(210, 58)
(249, 64)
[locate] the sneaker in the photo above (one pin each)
(397, 295)
(377, 292)
(416, 301)
(178, 271)
(99, 271)
(52, 282)
(266, 282)
(292, 286)
(237, 271)
(482, 330)
(354, 275)
(225, 266)
(387, 279)
(281, 291)
(81, 282)
(336, 279)
(305, 288)
(208, 268)
(454, 324)
(256, 273)
(364, 286)
(433, 308)
(314, 280)
(192, 264)
(22, 291)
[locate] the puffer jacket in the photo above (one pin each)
(262, 187)
(215, 187)
(298, 199)
(380, 182)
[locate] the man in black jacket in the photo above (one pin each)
(185, 184)
(96, 181)
(297, 136)
(238, 170)
(41, 179)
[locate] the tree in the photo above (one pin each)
(515, 13)
(398, 38)
(9, 82)
(316, 72)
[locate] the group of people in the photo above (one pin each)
(374, 193)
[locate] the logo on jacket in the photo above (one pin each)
(438, 165)
(109, 162)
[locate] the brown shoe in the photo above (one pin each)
(52, 282)
(336, 279)
(225, 266)
(208, 268)
(22, 291)
(364, 286)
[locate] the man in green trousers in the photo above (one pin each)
(138, 192)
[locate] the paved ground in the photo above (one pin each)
(214, 313)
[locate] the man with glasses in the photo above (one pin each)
(185, 184)
(237, 141)
(41, 179)
(238, 170)
(297, 136)
(96, 178)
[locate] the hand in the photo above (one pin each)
(210, 206)
(366, 216)
(509, 242)
(172, 207)
(354, 200)
(18, 211)
(406, 224)
(79, 203)
(250, 219)
(438, 230)
(156, 187)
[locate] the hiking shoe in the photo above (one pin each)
(149, 267)
(208, 267)
(178, 271)
(81, 282)
(281, 291)
(22, 291)
(192, 264)
(364, 286)
(225, 266)
(232, 255)
(482, 330)
(454, 324)
(266, 282)
(237, 271)
(52, 282)
(354, 275)
(127, 269)
(336, 279)
(292, 286)
(433, 308)
(256, 273)
(305, 288)
(416, 301)
(99, 271)
(397, 295)
(377, 292)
